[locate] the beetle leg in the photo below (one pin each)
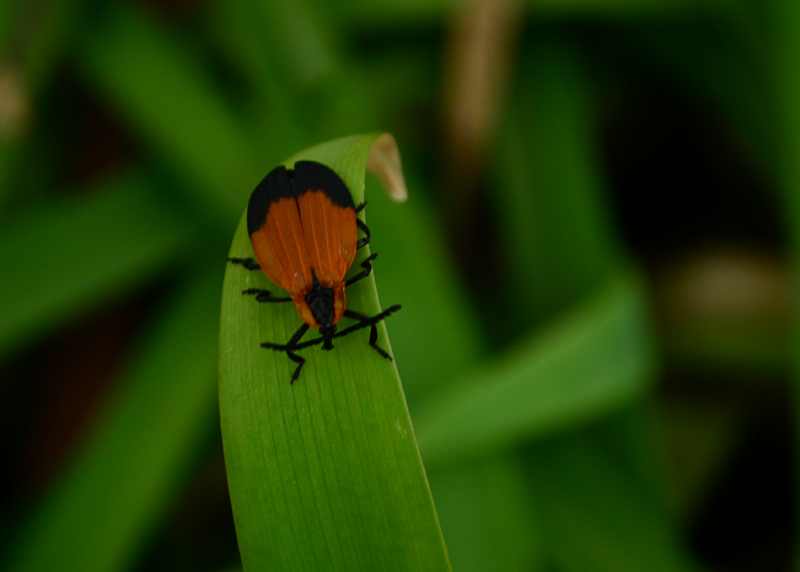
(289, 348)
(264, 296)
(364, 321)
(364, 240)
(248, 263)
(292, 344)
(373, 342)
(367, 269)
(300, 361)
(363, 226)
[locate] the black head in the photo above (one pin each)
(327, 336)
(320, 301)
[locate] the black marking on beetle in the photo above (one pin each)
(281, 183)
(275, 186)
(313, 176)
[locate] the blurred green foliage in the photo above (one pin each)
(559, 425)
(125, 477)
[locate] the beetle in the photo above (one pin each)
(303, 227)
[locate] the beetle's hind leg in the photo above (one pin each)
(260, 294)
(364, 240)
(248, 263)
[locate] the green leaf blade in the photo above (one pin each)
(78, 251)
(593, 362)
(127, 474)
(212, 155)
(325, 473)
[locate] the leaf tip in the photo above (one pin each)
(384, 162)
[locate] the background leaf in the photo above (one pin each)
(78, 253)
(127, 473)
(547, 384)
(212, 155)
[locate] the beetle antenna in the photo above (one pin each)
(340, 334)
